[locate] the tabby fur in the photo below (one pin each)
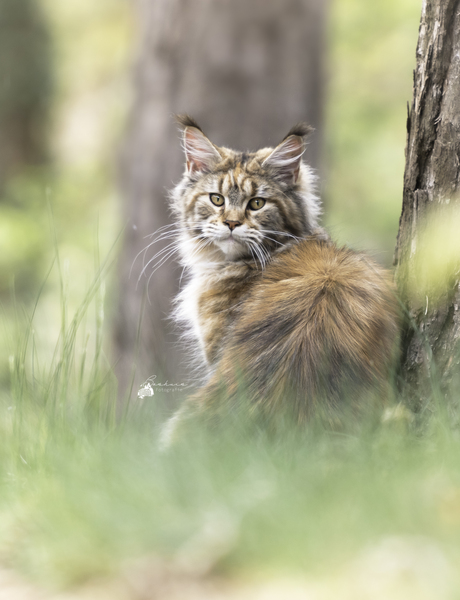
(271, 301)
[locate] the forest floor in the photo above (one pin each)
(395, 568)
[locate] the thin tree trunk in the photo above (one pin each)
(431, 182)
(247, 70)
(25, 86)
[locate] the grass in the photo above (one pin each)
(83, 492)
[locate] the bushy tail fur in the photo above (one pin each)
(318, 331)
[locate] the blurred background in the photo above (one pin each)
(89, 148)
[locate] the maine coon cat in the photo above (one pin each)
(274, 307)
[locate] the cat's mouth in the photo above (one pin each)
(227, 236)
(230, 245)
(230, 241)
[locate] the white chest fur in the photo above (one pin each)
(187, 312)
(196, 321)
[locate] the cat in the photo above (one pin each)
(273, 305)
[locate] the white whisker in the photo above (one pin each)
(157, 266)
(166, 232)
(160, 229)
(163, 236)
(166, 249)
(259, 255)
(280, 233)
(267, 237)
(265, 252)
(252, 253)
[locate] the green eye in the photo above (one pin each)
(217, 199)
(256, 203)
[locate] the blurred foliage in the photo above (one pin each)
(68, 203)
(435, 255)
(371, 58)
(26, 87)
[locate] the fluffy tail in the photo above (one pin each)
(318, 331)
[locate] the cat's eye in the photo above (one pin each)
(256, 203)
(217, 199)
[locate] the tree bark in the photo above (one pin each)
(431, 184)
(247, 70)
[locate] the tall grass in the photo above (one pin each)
(83, 492)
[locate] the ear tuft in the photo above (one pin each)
(302, 129)
(286, 158)
(200, 153)
(186, 121)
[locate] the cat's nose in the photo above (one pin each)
(232, 224)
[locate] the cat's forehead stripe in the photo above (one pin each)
(219, 184)
(241, 176)
(249, 186)
(237, 180)
(227, 183)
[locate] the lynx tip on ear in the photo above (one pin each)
(302, 130)
(185, 121)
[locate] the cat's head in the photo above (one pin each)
(243, 205)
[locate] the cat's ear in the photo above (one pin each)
(286, 158)
(200, 154)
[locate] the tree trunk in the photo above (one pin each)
(25, 86)
(431, 186)
(247, 70)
